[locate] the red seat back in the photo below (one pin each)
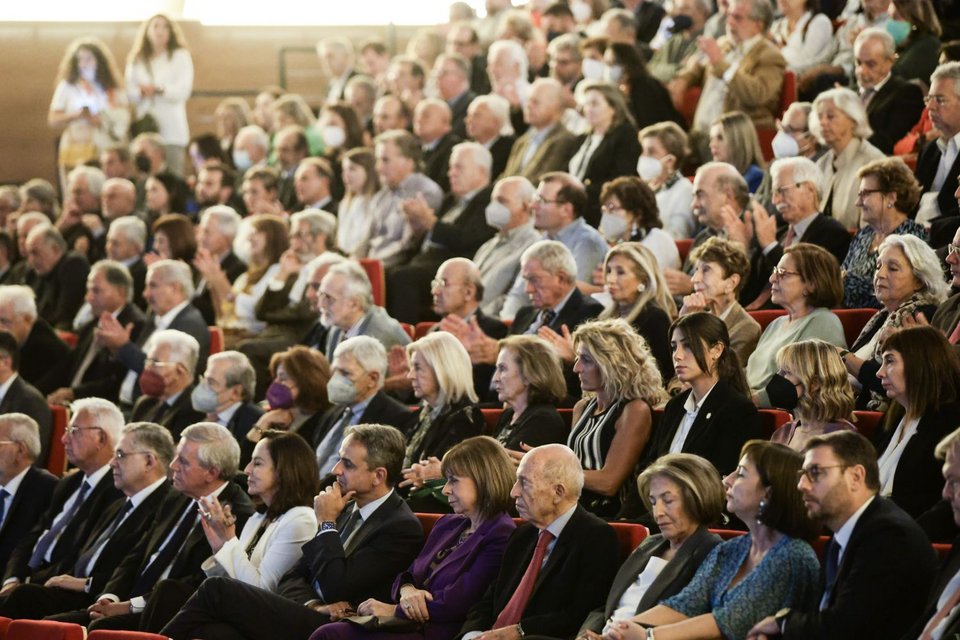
(409, 328)
(771, 420)
(490, 419)
(683, 247)
(109, 634)
(216, 340)
(378, 279)
(853, 321)
(765, 316)
(868, 422)
(57, 462)
(689, 107)
(422, 329)
(788, 94)
(44, 630)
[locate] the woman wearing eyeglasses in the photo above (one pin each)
(920, 372)
(888, 191)
(807, 284)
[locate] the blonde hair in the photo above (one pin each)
(450, 363)
(628, 369)
(817, 363)
(646, 269)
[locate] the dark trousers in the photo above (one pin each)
(225, 609)
(35, 602)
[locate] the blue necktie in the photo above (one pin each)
(830, 572)
(49, 539)
(3, 504)
(81, 569)
(167, 553)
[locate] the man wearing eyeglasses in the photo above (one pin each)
(947, 317)
(879, 563)
(79, 500)
(167, 382)
(939, 164)
(139, 466)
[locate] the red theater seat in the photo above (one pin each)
(57, 462)
(378, 279)
(853, 321)
(771, 420)
(422, 329)
(216, 340)
(44, 630)
(868, 422)
(106, 634)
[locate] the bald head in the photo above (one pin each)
(457, 288)
(390, 113)
(544, 104)
(431, 120)
(118, 198)
(549, 483)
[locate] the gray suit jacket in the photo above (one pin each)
(671, 580)
(553, 154)
(376, 324)
(744, 332)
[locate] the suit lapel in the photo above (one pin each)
(629, 571)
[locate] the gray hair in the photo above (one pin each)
(568, 43)
(553, 256)
(950, 444)
(226, 217)
(336, 42)
(31, 217)
(25, 430)
(450, 362)
(217, 448)
(106, 414)
(239, 371)
(948, 71)
(623, 18)
(923, 260)
(875, 33)
(319, 222)
(847, 102)
(804, 170)
(21, 298)
(760, 10)
(132, 228)
(174, 272)
(358, 284)
(95, 178)
(49, 235)
(154, 438)
(500, 108)
(514, 50)
(116, 274)
(526, 189)
(480, 154)
(184, 348)
(366, 83)
(463, 65)
(326, 259)
(369, 353)
(805, 107)
(256, 135)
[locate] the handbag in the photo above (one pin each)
(144, 124)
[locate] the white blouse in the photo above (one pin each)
(891, 456)
(174, 74)
(245, 303)
(809, 44)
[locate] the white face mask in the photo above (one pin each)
(89, 74)
(593, 69)
(785, 145)
(649, 168)
(613, 226)
(497, 215)
(241, 160)
(612, 73)
(581, 10)
(334, 137)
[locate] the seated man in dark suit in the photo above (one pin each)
(893, 104)
(126, 240)
(19, 396)
(937, 171)
(215, 233)
(225, 395)
(361, 546)
(432, 122)
(452, 75)
(62, 276)
(356, 390)
(879, 564)
(92, 371)
(558, 566)
(458, 228)
(488, 121)
(167, 382)
(175, 546)
(40, 347)
(27, 490)
(79, 500)
(940, 618)
(947, 317)
(168, 292)
(140, 466)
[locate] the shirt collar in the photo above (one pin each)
(11, 487)
(358, 408)
(94, 478)
(955, 140)
(691, 405)
(801, 227)
(144, 493)
(842, 535)
(560, 305)
(227, 414)
(557, 526)
(368, 510)
(163, 322)
(6, 386)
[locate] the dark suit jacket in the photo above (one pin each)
(948, 316)
(464, 574)
(186, 565)
(573, 581)
(382, 409)
(283, 318)
(615, 156)
(105, 374)
(233, 267)
(23, 397)
(824, 231)
(463, 236)
(189, 320)
(917, 481)
(927, 165)
(893, 111)
(881, 583)
(42, 349)
(553, 154)
(458, 422)
(674, 577)
(240, 423)
(948, 570)
(60, 293)
(32, 499)
(175, 417)
(726, 420)
(500, 150)
(579, 309)
(138, 271)
(437, 160)
(384, 545)
(458, 109)
(74, 534)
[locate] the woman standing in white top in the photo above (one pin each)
(804, 36)
(920, 371)
(160, 80)
(89, 108)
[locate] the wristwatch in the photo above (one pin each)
(328, 525)
(520, 630)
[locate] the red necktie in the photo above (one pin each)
(512, 613)
(942, 613)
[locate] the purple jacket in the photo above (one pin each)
(462, 577)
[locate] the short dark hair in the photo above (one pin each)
(558, 10)
(852, 449)
(9, 347)
(571, 191)
(779, 466)
(228, 175)
(485, 461)
(385, 445)
(931, 367)
(636, 198)
(295, 465)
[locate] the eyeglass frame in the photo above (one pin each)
(120, 454)
(779, 272)
(815, 472)
(71, 431)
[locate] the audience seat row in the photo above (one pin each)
(49, 630)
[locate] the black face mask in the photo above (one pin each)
(681, 23)
(782, 393)
(142, 162)
(553, 34)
